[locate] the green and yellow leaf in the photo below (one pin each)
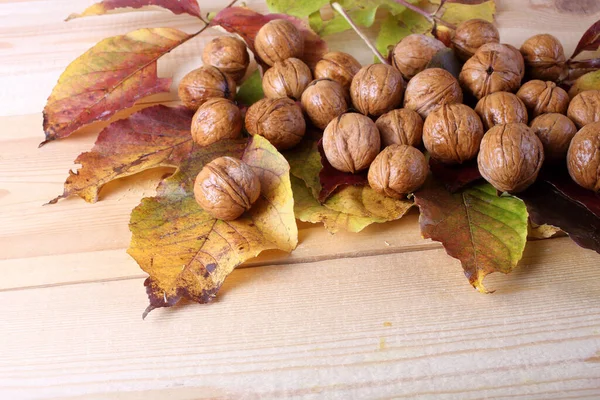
(176, 7)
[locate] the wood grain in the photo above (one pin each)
(379, 314)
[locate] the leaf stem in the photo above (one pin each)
(433, 18)
(337, 7)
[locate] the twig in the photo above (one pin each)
(433, 18)
(337, 7)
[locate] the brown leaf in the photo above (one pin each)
(331, 179)
(176, 7)
(109, 77)
(590, 41)
(455, 177)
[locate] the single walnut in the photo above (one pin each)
(412, 54)
(215, 120)
(287, 78)
(402, 126)
(493, 68)
(226, 188)
(518, 57)
(501, 108)
(452, 133)
(203, 83)
(471, 35)
(351, 142)
(338, 66)
(543, 97)
(583, 158)
(398, 170)
(431, 88)
(585, 108)
(510, 157)
(377, 89)
(278, 40)
(229, 54)
(544, 58)
(555, 131)
(280, 121)
(323, 100)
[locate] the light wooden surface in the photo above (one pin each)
(379, 314)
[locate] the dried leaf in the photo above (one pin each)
(539, 232)
(331, 179)
(590, 41)
(176, 7)
(186, 252)
(455, 12)
(362, 201)
(296, 8)
(154, 137)
(485, 232)
(455, 177)
(109, 77)
(251, 90)
(446, 59)
(305, 163)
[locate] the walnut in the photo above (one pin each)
(501, 108)
(340, 67)
(226, 187)
(215, 120)
(585, 108)
(377, 89)
(583, 158)
(278, 120)
(412, 54)
(543, 97)
(510, 157)
(278, 40)
(493, 68)
(544, 58)
(203, 83)
(402, 126)
(229, 54)
(452, 133)
(351, 142)
(471, 35)
(555, 131)
(398, 170)
(518, 57)
(324, 100)
(287, 78)
(431, 88)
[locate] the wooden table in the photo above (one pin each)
(379, 314)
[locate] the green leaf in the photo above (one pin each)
(394, 29)
(485, 232)
(589, 81)
(251, 90)
(305, 164)
(297, 8)
(455, 13)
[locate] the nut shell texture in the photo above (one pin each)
(510, 157)
(280, 121)
(377, 89)
(203, 83)
(585, 108)
(542, 97)
(555, 131)
(412, 54)
(351, 142)
(402, 126)
(583, 159)
(215, 120)
(501, 108)
(229, 54)
(471, 35)
(544, 57)
(338, 66)
(287, 78)
(398, 170)
(278, 40)
(452, 133)
(429, 89)
(226, 188)
(323, 100)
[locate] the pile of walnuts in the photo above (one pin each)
(381, 117)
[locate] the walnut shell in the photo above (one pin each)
(510, 157)
(544, 57)
(229, 54)
(287, 78)
(555, 131)
(377, 89)
(583, 158)
(278, 40)
(351, 142)
(215, 120)
(280, 121)
(493, 68)
(402, 126)
(398, 170)
(431, 88)
(501, 108)
(226, 187)
(323, 100)
(518, 57)
(585, 108)
(452, 133)
(471, 34)
(203, 83)
(543, 97)
(412, 54)
(338, 66)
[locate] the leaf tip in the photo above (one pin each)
(147, 311)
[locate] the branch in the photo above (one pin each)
(429, 17)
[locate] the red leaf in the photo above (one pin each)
(590, 41)
(331, 178)
(246, 23)
(455, 177)
(176, 7)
